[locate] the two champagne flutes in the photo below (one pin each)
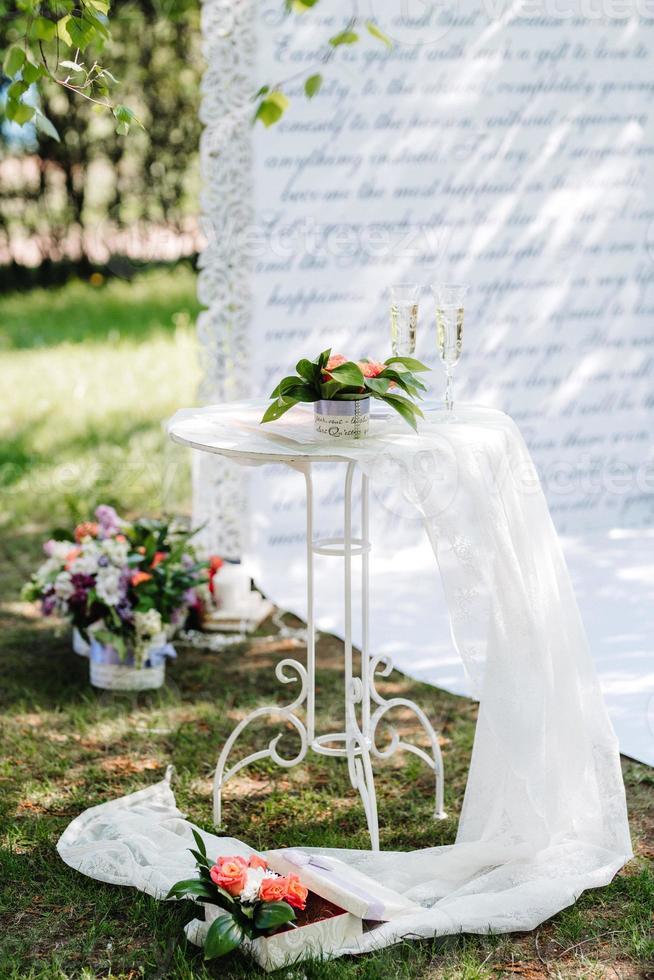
(449, 327)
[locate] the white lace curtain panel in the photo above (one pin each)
(544, 814)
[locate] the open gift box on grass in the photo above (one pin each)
(320, 930)
(285, 906)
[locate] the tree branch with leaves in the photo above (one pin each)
(61, 40)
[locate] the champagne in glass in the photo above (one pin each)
(404, 318)
(449, 333)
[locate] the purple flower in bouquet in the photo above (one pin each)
(125, 611)
(103, 561)
(81, 585)
(48, 604)
(109, 521)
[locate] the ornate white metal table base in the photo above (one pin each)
(365, 707)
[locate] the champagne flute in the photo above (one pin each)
(449, 334)
(404, 318)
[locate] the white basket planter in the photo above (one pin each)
(111, 673)
(80, 646)
(342, 419)
(122, 677)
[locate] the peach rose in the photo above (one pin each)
(273, 889)
(370, 369)
(139, 577)
(334, 361)
(296, 893)
(230, 873)
(257, 862)
(158, 558)
(87, 529)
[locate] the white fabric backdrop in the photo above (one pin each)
(507, 147)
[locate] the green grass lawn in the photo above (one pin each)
(88, 374)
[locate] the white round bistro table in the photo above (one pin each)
(233, 430)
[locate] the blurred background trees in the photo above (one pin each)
(98, 199)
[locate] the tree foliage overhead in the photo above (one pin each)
(66, 43)
(74, 197)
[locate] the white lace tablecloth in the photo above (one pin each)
(544, 813)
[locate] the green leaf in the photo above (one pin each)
(405, 380)
(44, 126)
(80, 31)
(301, 6)
(192, 888)
(270, 915)
(271, 108)
(348, 374)
(312, 85)
(16, 89)
(63, 30)
(202, 861)
(123, 113)
(323, 358)
(125, 117)
(308, 370)
(31, 73)
(288, 382)
(60, 7)
(19, 112)
(344, 37)
(42, 29)
(13, 61)
(278, 408)
(379, 385)
(409, 362)
(94, 23)
(302, 393)
(329, 388)
(405, 408)
(378, 33)
(199, 840)
(224, 935)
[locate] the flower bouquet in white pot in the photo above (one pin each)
(124, 587)
(341, 391)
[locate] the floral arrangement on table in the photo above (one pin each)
(255, 900)
(124, 585)
(332, 378)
